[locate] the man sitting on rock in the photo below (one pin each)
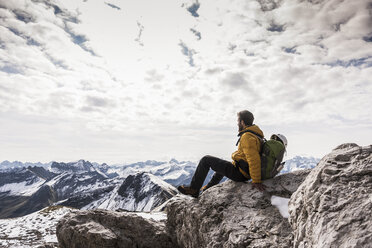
(246, 160)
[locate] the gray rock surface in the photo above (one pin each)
(233, 214)
(332, 208)
(103, 228)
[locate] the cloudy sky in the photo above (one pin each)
(121, 81)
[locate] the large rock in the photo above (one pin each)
(233, 214)
(332, 208)
(102, 228)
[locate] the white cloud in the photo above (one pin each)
(175, 75)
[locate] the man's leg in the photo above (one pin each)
(220, 166)
(217, 177)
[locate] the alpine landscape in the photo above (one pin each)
(34, 197)
(118, 119)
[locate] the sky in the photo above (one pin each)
(120, 81)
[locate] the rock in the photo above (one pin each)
(286, 184)
(232, 214)
(332, 208)
(102, 228)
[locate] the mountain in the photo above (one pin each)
(139, 192)
(140, 186)
(5, 165)
(24, 190)
(79, 184)
(299, 163)
(173, 172)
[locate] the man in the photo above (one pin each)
(246, 160)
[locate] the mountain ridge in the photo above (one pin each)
(84, 184)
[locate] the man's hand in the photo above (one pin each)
(259, 186)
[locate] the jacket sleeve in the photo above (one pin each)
(251, 149)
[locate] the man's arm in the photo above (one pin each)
(259, 186)
(251, 148)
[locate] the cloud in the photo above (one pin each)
(153, 76)
(275, 28)
(367, 38)
(362, 62)
(269, 5)
(235, 81)
(293, 63)
(23, 16)
(10, 69)
(97, 101)
(97, 104)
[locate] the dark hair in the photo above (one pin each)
(246, 116)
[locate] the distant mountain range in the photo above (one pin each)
(143, 186)
(299, 163)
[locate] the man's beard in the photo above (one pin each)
(240, 127)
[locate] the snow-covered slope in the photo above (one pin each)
(139, 192)
(33, 230)
(80, 166)
(299, 163)
(20, 181)
(25, 190)
(172, 172)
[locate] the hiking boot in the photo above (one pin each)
(186, 190)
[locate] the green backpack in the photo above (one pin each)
(272, 152)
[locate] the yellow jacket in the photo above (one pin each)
(249, 151)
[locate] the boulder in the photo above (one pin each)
(103, 228)
(332, 208)
(233, 214)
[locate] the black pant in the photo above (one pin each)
(221, 167)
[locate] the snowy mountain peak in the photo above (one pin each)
(7, 165)
(137, 192)
(174, 161)
(80, 166)
(299, 163)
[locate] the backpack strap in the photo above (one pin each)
(250, 131)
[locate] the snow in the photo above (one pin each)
(169, 171)
(101, 173)
(175, 174)
(114, 201)
(22, 188)
(32, 230)
(56, 179)
(161, 183)
(282, 204)
(157, 216)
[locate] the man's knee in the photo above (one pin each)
(206, 160)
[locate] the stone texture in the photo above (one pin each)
(332, 208)
(102, 228)
(233, 214)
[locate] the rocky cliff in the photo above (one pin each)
(332, 208)
(329, 207)
(233, 214)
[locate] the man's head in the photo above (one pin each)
(245, 118)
